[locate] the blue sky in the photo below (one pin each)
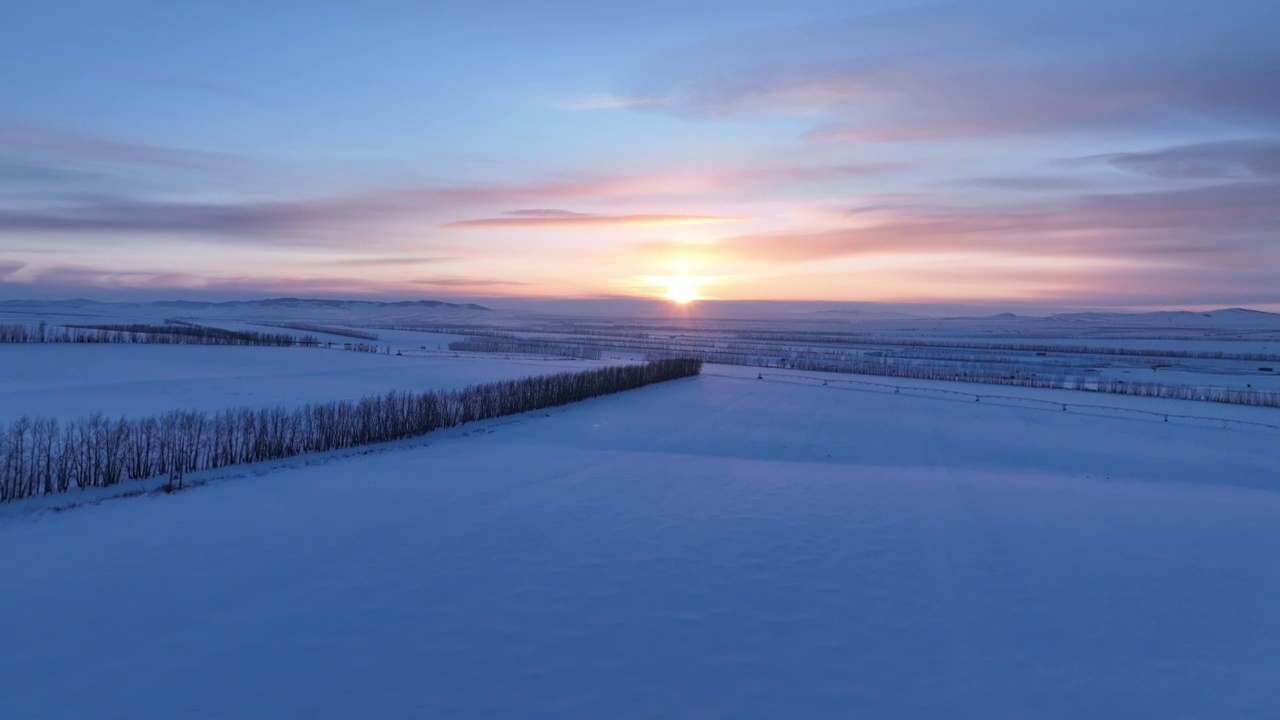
(1085, 154)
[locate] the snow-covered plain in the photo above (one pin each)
(714, 547)
(68, 381)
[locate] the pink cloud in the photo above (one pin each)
(77, 278)
(564, 218)
(1234, 219)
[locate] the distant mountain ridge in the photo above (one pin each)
(1225, 319)
(419, 311)
(1172, 316)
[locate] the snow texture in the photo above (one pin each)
(720, 547)
(69, 381)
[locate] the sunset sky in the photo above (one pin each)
(1087, 154)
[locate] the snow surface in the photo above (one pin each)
(68, 381)
(709, 548)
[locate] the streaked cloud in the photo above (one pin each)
(59, 280)
(1026, 183)
(378, 262)
(916, 151)
(468, 283)
(614, 102)
(179, 81)
(564, 218)
(1215, 220)
(50, 144)
(286, 222)
(987, 69)
(1231, 159)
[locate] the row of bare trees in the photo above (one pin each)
(1232, 396)
(326, 329)
(42, 456)
(988, 374)
(167, 334)
(864, 339)
(480, 343)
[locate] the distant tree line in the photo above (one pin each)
(994, 375)
(168, 334)
(326, 329)
(915, 360)
(909, 358)
(477, 343)
(704, 336)
(852, 339)
(1233, 396)
(42, 456)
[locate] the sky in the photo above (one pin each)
(1120, 154)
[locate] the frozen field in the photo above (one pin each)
(69, 381)
(710, 548)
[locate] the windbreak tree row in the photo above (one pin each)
(477, 343)
(853, 339)
(169, 334)
(987, 374)
(42, 456)
(326, 329)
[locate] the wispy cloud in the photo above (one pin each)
(178, 81)
(65, 279)
(564, 218)
(614, 102)
(69, 183)
(1233, 159)
(985, 69)
(378, 262)
(776, 175)
(299, 222)
(49, 144)
(83, 276)
(1225, 219)
(471, 283)
(1026, 183)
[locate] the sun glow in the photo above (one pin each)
(682, 290)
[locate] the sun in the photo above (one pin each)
(682, 290)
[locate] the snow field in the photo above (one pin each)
(69, 381)
(712, 547)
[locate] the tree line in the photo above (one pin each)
(42, 456)
(991, 375)
(705, 336)
(926, 360)
(168, 334)
(326, 329)
(854, 339)
(477, 343)
(922, 364)
(923, 359)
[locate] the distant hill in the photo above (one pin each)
(1227, 323)
(1229, 317)
(882, 318)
